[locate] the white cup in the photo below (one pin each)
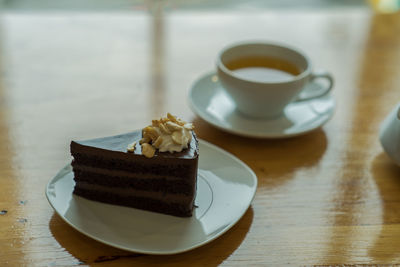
(267, 99)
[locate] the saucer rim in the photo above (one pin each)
(203, 115)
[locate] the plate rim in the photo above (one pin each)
(206, 117)
(253, 177)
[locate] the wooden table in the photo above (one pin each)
(329, 197)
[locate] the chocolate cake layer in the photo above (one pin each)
(177, 209)
(180, 169)
(122, 173)
(159, 184)
(131, 192)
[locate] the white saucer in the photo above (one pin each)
(209, 101)
(225, 189)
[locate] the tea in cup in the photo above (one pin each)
(263, 78)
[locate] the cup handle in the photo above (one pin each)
(319, 75)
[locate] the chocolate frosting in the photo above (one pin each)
(117, 146)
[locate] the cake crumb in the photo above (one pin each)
(131, 147)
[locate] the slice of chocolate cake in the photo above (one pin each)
(142, 169)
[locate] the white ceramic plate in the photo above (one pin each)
(225, 189)
(209, 101)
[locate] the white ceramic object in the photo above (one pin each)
(389, 134)
(267, 99)
(209, 101)
(225, 188)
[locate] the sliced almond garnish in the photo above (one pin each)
(156, 135)
(164, 128)
(158, 142)
(188, 126)
(171, 117)
(177, 137)
(150, 132)
(180, 122)
(148, 150)
(173, 126)
(144, 140)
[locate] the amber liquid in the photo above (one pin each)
(263, 69)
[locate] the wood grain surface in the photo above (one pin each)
(328, 197)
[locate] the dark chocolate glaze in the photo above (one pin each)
(116, 146)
